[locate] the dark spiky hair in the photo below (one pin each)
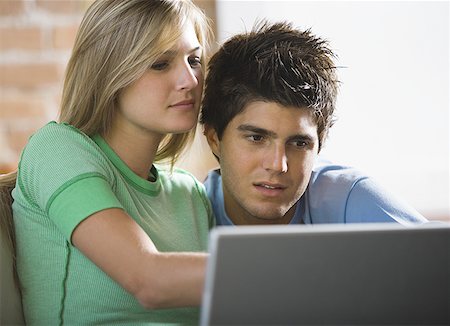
(272, 63)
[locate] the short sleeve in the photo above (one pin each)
(75, 202)
(65, 175)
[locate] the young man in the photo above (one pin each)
(269, 102)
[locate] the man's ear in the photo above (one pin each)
(213, 140)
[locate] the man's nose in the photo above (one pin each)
(276, 159)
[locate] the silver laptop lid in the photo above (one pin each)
(328, 274)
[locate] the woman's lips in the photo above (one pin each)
(186, 104)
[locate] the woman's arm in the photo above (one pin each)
(117, 244)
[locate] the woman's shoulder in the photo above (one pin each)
(56, 131)
(179, 177)
(59, 144)
(56, 137)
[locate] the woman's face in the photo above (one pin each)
(166, 99)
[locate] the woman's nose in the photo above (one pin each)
(188, 78)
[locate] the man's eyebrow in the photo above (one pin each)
(302, 137)
(257, 130)
(265, 132)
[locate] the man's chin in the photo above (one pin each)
(269, 216)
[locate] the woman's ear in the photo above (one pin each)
(213, 140)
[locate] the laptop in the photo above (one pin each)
(353, 274)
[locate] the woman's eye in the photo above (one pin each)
(195, 61)
(160, 65)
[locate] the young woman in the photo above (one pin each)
(102, 234)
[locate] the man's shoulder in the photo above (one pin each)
(344, 194)
(213, 186)
(338, 177)
(212, 180)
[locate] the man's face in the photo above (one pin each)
(266, 157)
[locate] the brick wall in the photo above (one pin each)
(36, 37)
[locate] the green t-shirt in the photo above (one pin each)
(65, 176)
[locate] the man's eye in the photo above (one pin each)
(255, 138)
(195, 61)
(300, 143)
(160, 65)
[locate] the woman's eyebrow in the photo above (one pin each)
(197, 48)
(173, 53)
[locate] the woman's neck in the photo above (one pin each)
(137, 148)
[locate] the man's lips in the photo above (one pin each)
(270, 185)
(269, 189)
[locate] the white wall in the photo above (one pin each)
(393, 107)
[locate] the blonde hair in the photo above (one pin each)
(7, 184)
(116, 43)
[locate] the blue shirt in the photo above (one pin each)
(335, 194)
